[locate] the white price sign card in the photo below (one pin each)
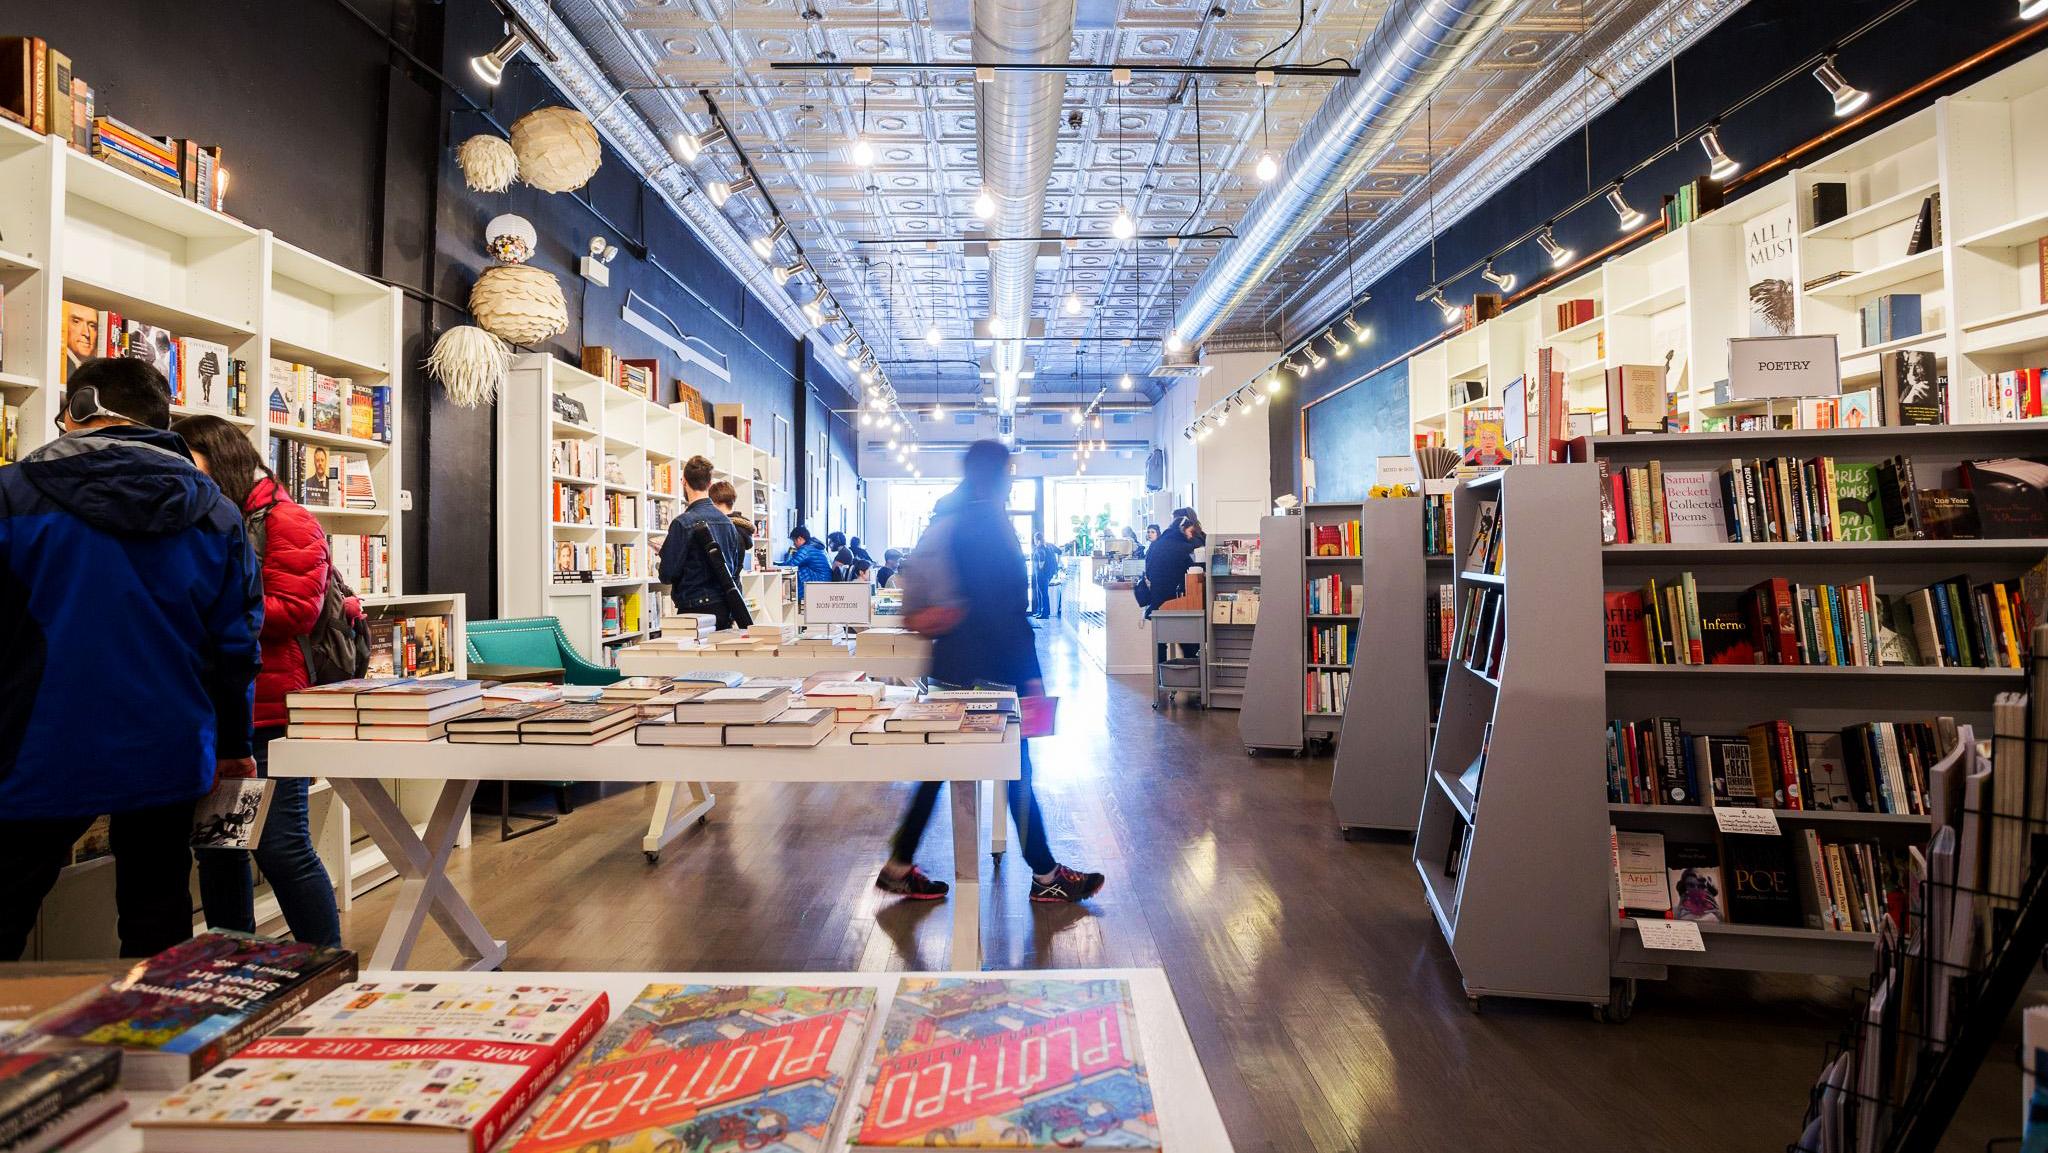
(1681, 936)
(839, 603)
(1759, 822)
(1400, 470)
(1771, 367)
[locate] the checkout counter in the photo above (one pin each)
(1127, 636)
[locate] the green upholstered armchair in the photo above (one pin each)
(536, 642)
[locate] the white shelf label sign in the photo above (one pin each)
(1760, 822)
(838, 603)
(1771, 367)
(1400, 470)
(1682, 936)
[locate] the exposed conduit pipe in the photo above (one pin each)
(1414, 48)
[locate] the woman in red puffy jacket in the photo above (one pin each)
(294, 563)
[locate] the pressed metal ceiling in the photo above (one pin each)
(1142, 145)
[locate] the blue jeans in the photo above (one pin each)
(305, 894)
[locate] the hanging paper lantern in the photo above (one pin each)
(470, 363)
(488, 163)
(510, 238)
(558, 149)
(519, 303)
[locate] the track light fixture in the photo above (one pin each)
(1360, 334)
(720, 191)
(691, 145)
(1287, 366)
(1273, 382)
(2032, 8)
(490, 67)
(1337, 347)
(1558, 254)
(1846, 96)
(1505, 281)
(1314, 359)
(1627, 215)
(1720, 165)
(764, 245)
(1443, 304)
(784, 273)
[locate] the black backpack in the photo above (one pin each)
(338, 647)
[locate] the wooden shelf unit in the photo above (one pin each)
(636, 433)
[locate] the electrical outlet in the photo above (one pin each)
(405, 500)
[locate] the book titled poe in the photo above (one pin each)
(709, 1067)
(179, 1013)
(383, 1066)
(1020, 1064)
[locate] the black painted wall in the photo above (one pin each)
(343, 145)
(1754, 45)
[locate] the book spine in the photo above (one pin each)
(520, 1096)
(1845, 909)
(1818, 910)
(267, 1017)
(1788, 765)
(1660, 527)
(1695, 641)
(28, 1117)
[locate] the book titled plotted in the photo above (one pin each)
(378, 1066)
(709, 1067)
(179, 1013)
(1019, 1064)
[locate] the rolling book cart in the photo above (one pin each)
(1721, 700)
(1383, 745)
(1511, 843)
(1901, 1068)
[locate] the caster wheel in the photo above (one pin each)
(1621, 1003)
(1472, 1003)
(654, 858)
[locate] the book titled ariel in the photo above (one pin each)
(177, 1014)
(1018, 1064)
(709, 1067)
(416, 1066)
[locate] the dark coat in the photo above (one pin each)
(130, 614)
(993, 641)
(690, 579)
(1167, 562)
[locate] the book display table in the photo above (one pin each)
(1188, 1119)
(358, 770)
(638, 661)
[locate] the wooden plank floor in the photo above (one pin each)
(1318, 991)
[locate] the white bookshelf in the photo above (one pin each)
(635, 433)
(1686, 292)
(78, 230)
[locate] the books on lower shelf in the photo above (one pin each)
(1874, 767)
(320, 477)
(574, 457)
(184, 1010)
(1331, 596)
(1437, 533)
(378, 1063)
(1325, 692)
(1800, 879)
(685, 1065)
(1095, 1091)
(1332, 644)
(412, 644)
(364, 561)
(1440, 621)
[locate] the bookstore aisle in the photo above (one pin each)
(1314, 984)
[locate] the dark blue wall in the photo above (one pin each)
(1748, 49)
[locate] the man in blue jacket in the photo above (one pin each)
(807, 557)
(984, 637)
(129, 612)
(697, 585)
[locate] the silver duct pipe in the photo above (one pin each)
(1415, 46)
(1017, 123)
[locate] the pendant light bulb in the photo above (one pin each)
(863, 152)
(984, 205)
(1124, 382)
(1123, 227)
(1074, 301)
(932, 336)
(1267, 168)
(938, 411)
(1626, 214)
(1846, 96)
(1558, 254)
(1720, 165)
(1174, 343)
(2032, 8)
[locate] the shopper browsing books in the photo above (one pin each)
(808, 558)
(291, 557)
(969, 596)
(693, 578)
(724, 497)
(892, 563)
(129, 612)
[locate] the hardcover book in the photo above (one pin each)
(800, 727)
(380, 1066)
(1858, 501)
(179, 1013)
(984, 728)
(48, 1100)
(709, 1067)
(1696, 882)
(749, 704)
(1761, 890)
(930, 1080)
(1692, 507)
(231, 815)
(926, 717)
(417, 694)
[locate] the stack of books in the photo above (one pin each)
(760, 711)
(890, 642)
(825, 642)
(943, 718)
(379, 709)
